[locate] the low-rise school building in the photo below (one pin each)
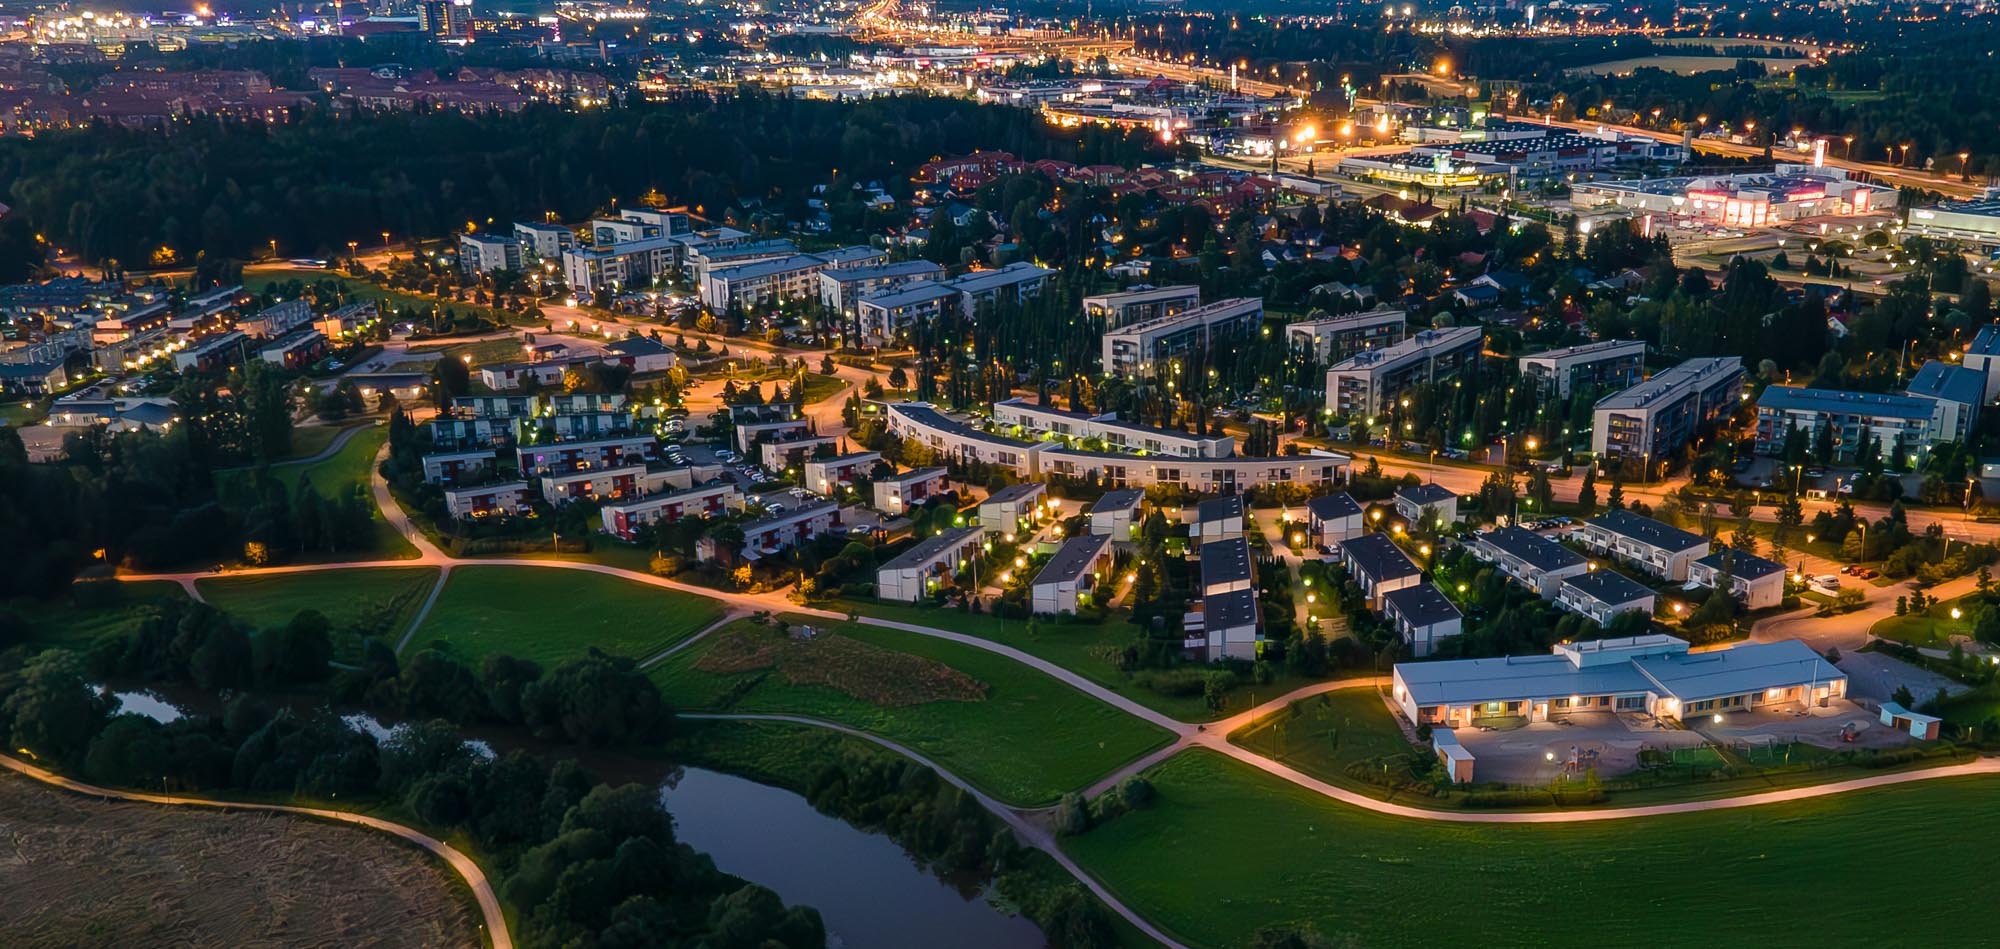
(1653, 674)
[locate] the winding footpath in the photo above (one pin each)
(482, 889)
(1213, 736)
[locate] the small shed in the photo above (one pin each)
(1456, 759)
(1917, 724)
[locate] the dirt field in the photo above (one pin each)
(78, 871)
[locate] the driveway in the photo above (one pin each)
(1875, 676)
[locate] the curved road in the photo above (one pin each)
(482, 889)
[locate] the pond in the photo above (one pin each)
(869, 892)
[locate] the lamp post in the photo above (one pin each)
(1847, 147)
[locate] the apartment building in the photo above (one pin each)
(543, 241)
(614, 267)
(1601, 595)
(1013, 508)
(1367, 383)
(899, 493)
(1423, 615)
(1617, 363)
(916, 572)
(762, 284)
(1116, 514)
(987, 289)
(1333, 518)
(1956, 394)
(841, 289)
(1335, 338)
(1378, 566)
(1756, 582)
(1026, 419)
(489, 500)
(826, 475)
(452, 467)
(885, 317)
(1852, 419)
(624, 518)
(1650, 421)
(1417, 502)
(1078, 568)
(486, 253)
(1660, 549)
(1140, 304)
(1140, 348)
(959, 442)
(1982, 355)
(1534, 561)
(1201, 475)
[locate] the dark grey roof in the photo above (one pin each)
(1422, 605)
(1432, 493)
(1120, 500)
(1537, 551)
(1378, 556)
(1608, 586)
(1646, 530)
(1216, 509)
(1015, 492)
(1072, 558)
(931, 546)
(1951, 383)
(1333, 506)
(637, 346)
(1235, 608)
(1225, 561)
(1741, 565)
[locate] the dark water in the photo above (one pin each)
(869, 892)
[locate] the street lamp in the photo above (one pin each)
(1847, 147)
(1962, 156)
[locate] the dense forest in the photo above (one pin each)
(319, 182)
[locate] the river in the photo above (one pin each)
(869, 892)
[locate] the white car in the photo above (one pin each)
(1827, 582)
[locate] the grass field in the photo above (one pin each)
(1327, 733)
(552, 615)
(310, 440)
(375, 600)
(1083, 648)
(483, 351)
(1227, 849)
(63, 622)
(256, 278)
(1029, 740)
(1932, 627)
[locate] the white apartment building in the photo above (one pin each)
(615, 267)
(1660, 549)
(1140, 304)
(1534, 561)
(1366, 383)
(1026, 419)
(486, 253)
(1201, 475)
(918, 570)
(959, 442)
(885, 317)
(1078, 568)
(1337, 337)
(1614, 362)
(543, 241)
(841, 289)
(761, 284)
(1601, 595)
(1650, 421)
(985, 289)
(1138, 348)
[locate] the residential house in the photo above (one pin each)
(1333, 518)
(1659, 549)
(1415, 504)
(1756, 582)
(1078, 568)
(1378, 566)
(1423, 615)
(916, 572)
(1603, 594)
(1117, 513)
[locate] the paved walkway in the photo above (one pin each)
(1031, 831)
(482, 889)
(1848, 630)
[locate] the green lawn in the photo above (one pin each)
(1027, 742)
(550, 615)
(107, 607)
(360, 289)
(1325, 733)
(1933, 627)
(1227, 849)
(310, 440)
(374, 600)
(1083, 648)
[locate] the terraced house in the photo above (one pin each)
(1660, 549)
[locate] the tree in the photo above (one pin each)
(1586, 494)
(54, 712)
(1617, 493)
